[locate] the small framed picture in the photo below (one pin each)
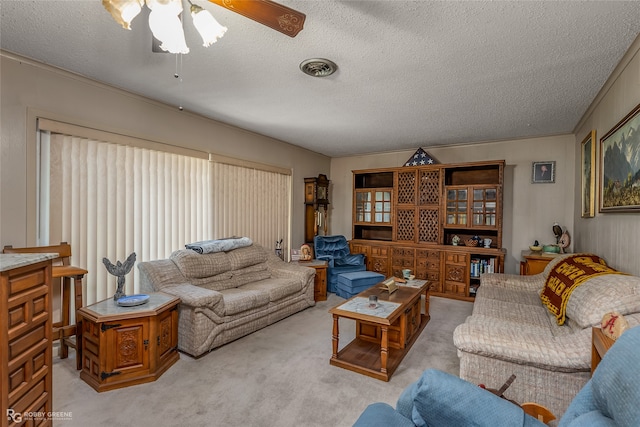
(544, 172)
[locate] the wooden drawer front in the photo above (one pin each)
(455, 273)
(404, 252)
(368, 331)
(431, 275)
(26, 374)
(379, 251)
(35, 400)
(403, 263)
(402, 258)
(372, 333)
(428, 264)
(436, 284)
(357, 248)
(454, 288)
(24, 281)
(456, 258)
(428, 253)
(535, 266)
(378, 260)
(379, 265)
(26, 310)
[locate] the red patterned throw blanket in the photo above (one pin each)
(568, 275)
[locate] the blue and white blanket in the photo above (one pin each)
(219, 245)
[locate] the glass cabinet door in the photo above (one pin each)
(373, 206)
(457, 206)
(383, 207)
(484, 206)
(364, 206)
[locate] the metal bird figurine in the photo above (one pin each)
(120, 269)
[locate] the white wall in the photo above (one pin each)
(529, 209)
(614, 236)
(29, 88)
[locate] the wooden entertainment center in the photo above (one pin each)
(407, 217)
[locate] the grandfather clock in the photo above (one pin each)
(316, 200)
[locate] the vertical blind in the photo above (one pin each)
(108, 200)
(251, 202)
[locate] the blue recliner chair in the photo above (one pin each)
(611, 398)
(335, 250)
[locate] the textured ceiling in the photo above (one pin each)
(411, 73)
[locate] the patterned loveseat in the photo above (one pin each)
(510, 332)
(227, 295)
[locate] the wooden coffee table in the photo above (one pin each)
(384, 335)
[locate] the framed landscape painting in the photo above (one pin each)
(588, 150)
(620, 166)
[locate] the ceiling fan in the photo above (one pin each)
(274, 15)
(166, 24)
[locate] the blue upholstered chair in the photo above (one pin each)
(610, 399)
(335, 250)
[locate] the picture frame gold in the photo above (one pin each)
(619, 174)
(588, 174)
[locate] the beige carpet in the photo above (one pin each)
(278, 376)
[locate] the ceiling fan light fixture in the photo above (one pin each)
(166, 26)
(123, 11)
(208, 28)
(318, 67)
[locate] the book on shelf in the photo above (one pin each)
(482, 265)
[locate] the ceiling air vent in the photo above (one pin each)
(318, 67)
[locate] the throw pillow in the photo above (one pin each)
(565, 276)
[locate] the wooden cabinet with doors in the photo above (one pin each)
(123, 346)
(429, 205)
(473, 202)
(25, 339)
(417, 218)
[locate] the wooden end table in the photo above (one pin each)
(383, 335)
(600, 344)
(534, 262)
(123, 346)
(320, 281)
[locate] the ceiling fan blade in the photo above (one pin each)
(274, 15)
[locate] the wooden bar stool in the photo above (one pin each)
(63, 330)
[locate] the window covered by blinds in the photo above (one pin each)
(109, 194)
(251, 202)
(108, 200)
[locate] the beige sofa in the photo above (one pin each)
(511, 332)
(227, 295)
